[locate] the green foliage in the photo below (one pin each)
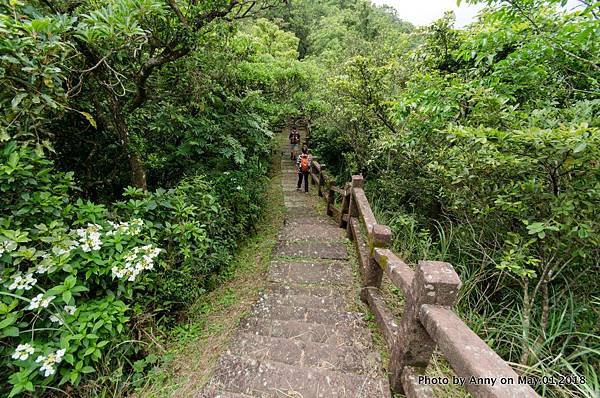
(99, 95)
(480, 147)
(66, 271)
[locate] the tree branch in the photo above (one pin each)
(177, 12)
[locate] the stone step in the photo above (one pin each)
(310, 249)
(342, 358)
(269, 379)
(307, 300)
(307, 220)
(308, 331)
(325, 232)
(217, 393)
(302, 212)
(268, 309)
(310, 272)
(283, 288)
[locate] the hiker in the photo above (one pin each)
(294, 142)
(304, 163)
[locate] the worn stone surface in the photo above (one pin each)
(310, 272)
(326, 232)
(267, 309)
(275, 379)
(412, 387)
(299, 339)
(384, 317)
(470, 356)
(308, 300)
(334, 334)
(348, 357)
(217, 393)
(433, 283)
(284, 288)
(309, 249)
(299, 213)
(309, 219)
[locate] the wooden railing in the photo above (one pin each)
(428, 321)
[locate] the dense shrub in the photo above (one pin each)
(75, 274)
(480, 146)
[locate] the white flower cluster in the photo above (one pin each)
(89, 238)
(70, 309)
(136, 261)
(7, 246)
(132, 228)
(46, 265)
(23, 282)
(48, 362)
(38, 301)
(23, 351)
(65, 247)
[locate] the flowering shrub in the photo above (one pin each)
(67, 275)
(70, 269)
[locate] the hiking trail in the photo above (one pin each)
(302, 338)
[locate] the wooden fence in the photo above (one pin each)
(428, 321)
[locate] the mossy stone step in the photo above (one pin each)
(265, 308)
(325, 232)
(309, 301)
(327, 290)
(315, 272)
(271, 379)
(335, 334)
(343, 358)
(310, 249)
(223, 394)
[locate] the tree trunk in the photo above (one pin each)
(527, 304)
(138, 171)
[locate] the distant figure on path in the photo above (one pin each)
(304, 163)
(294, 142)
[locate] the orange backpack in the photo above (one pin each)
(304, 163)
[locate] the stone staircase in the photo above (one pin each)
(302, 339)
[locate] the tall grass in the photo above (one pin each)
(492, 306)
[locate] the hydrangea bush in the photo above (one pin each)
(76, 277)
(67, 273)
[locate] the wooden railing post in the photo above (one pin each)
(379, 236)
(357, 182)
(437, 283)
(330, 200)
(321, 181)
(345, 205)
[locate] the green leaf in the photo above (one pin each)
(580, 147)
(11, 331)
(10, 319)
(66, 296)
(17, 100)
(89, 118)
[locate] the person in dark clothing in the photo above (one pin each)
(294, 142)
(304, 163)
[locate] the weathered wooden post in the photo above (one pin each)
(379, 236)
(345, 205)
(435, 283)
(357, 182)
(321, 180)
(330, 199)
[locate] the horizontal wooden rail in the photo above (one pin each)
(430, 289)
(397, 270)
(483, 371)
